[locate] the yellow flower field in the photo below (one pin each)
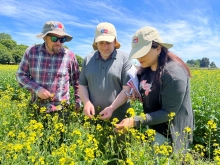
(44, 139)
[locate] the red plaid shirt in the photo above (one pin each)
(53, 72)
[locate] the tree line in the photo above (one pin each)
(201, 63)
(12, 53)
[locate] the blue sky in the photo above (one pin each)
(193, 26)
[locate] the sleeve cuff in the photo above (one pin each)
(137, 122)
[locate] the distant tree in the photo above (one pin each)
(17, 55)
(204, 62)
(21, 47)
(10, 44)
(197, 63)
(212, 65)
(193, 63)
(80, 60)
(4, 36)
(5, 55)
(18, 52)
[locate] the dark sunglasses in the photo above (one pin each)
(55, 39)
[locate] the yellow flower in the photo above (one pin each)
(131, 112)
(86, 118)
(129, 161)
(36, 106)
(212, 125)
(18, 147)
(143, 116)
(76, 132)
(150, 134)
(11, 134)
(41, 160)
(215, 144)
(99, 127)
(43, 109)
(171, 115)
(89, 153)
(187, 130)
(114, 121)
(62, 161)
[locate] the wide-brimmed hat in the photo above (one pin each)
(105, 32)
(54, 27)
(142, 42)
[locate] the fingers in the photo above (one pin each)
(48, 94)
(89, 110)
(104, 115)
(44, 94)
(119, 126)
(90, 113)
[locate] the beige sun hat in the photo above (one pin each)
(142, 42)
(105, 32)
(54, 27)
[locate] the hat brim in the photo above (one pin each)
(166, 45)
(60, 33)
(117, 45)
(105, 38)
(138, 52)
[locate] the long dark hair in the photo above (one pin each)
(164, 57)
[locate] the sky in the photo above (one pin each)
(192, 26)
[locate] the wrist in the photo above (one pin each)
(112, 108)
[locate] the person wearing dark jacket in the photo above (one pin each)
(165, 89)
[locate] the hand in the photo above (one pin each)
(44, 94)
(124, 125)
(132, 95)
(89, 109)
(106, 113)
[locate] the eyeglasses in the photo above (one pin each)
(55, 39)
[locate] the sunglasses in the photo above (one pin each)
(55, 39)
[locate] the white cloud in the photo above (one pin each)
(191, 26)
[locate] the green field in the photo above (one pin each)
(24, 140)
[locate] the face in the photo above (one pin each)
(151, 58)
(106, 48)
(54, 43)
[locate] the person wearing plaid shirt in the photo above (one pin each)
(47, 70)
